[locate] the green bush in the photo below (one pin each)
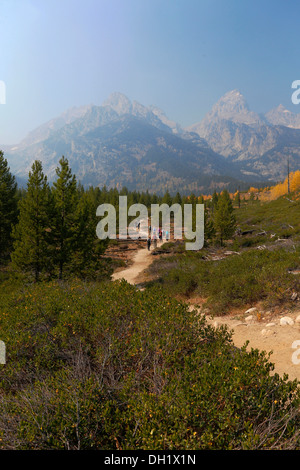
(105, 366)
(237, 280)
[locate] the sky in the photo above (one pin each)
(179, 55)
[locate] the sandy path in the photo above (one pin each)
(140, 261)
(267, 334)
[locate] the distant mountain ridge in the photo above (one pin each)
(281, 116)
(230, 107)
(124, 143)
(260, 144)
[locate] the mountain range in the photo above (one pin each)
(124, 143)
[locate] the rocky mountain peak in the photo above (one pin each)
(230, 111)
(282, 109)
(119, 103)
(233, 107)
(281, 116)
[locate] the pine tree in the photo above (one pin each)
(31, 234)
(237, 199)
(85, 259)
(64, 230)
(8, 207)
(214, 201)
(209, 230)
(167, 199)
(177, 199)
(224, 219)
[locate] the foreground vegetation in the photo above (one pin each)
(104, 366)
(95, 364)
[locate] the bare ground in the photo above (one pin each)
(267, 334)
(141, 259)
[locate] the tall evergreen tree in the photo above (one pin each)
(85, 260)
(209, 230)
(224, 219)
(8, 207)
(237, 199)
(167, 198)
(31, 234)
(214, 201)
(64, 229)
(177, 199)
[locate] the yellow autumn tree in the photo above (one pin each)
(281, 189)
(295, 181)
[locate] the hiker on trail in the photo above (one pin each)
(148, 243)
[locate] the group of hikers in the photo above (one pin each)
(155, 235)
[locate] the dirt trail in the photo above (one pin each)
(134, 274)
(277, 338)
(140, 261)
(265, 333)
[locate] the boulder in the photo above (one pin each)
(266, 332)
(286, 321)
(249, 318)
(251, 310)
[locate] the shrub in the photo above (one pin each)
(104, 366)
(237, 280)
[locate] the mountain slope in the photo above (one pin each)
(45, 130)
(129, 151)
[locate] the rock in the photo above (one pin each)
(294, 296)
(286, 321)
(268, 325)
(249, 318)
(251, 310)
(297, 319)
(266, 333)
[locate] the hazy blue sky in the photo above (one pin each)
(180, 55)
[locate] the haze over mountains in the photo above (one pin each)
(124, 143)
